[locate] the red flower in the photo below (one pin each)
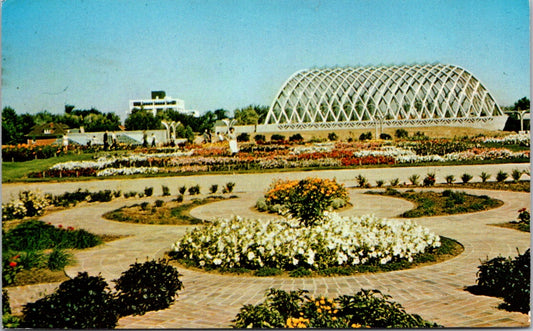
(12, 264)
(522, 210)
(70, 228)
(60, 226)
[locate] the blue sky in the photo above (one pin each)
(232, 53)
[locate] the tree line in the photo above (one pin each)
(15, 128)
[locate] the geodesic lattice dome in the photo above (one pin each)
(424, 93)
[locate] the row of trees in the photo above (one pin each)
(15, 127)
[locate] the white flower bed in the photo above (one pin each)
(315, 148)
(127, 171)
(338, 241)
(518, 139)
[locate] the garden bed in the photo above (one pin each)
(448, 202)
(170, 213)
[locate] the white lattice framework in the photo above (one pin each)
(432, 94)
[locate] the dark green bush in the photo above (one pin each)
(365, 136)
(296, 138)
(179, 198)
(148, 191)
(259, 138)
(213, 188)
(507, 278)
(166, 190)
(371, 308)
(501, 176)
(194, 190)
(401, 133)
(367, 308)
(152, 285)
(466, 178)
(385, 136)
(84, 302)
(332, 136)
(243, 137)
(145, 205)
(229, 187)
(159, 203)
(182, 189)
(277, 137)
(429, 180)
(102, 196)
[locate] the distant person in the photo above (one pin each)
(220, 137)
(114, 144)
(207, 136)
(106, 143)
(145, 139)
(153, 140)
(232, 137)
(65, 142)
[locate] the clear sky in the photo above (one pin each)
(232, 53)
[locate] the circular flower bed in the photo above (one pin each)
(336, 241)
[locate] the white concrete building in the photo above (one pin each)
(161, 102)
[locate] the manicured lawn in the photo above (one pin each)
(17, 171)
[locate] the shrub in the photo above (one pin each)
(166, 190)
(267, 272)
(401, 133)
(117, 193)
(295, 309)
(332, 136)
(414, 179)
(152, 285)
(385, 136)
(182, 189)
(277, 137)
(213, 188)
(501, 176)
(297, 138)
(29, 203)
(365, 136)
(229, 187)
(32, 259)
(516, 174)
(507, 278)
(361, 180)
(394, 182)
(101, 196)
(148, 191)
(450, 179)
(338, 203)
(145, 205)
(261, 204)
(179, 198)
(259, 138)
(300, 272)
(380, 182)
(484, 177)
(130, 194)
(83, 302)
(429, 180)
(194, 190)
(159, 203)
(306, 199)
(243, 137)
(466, 178)
(58, 259)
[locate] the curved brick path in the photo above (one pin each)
(211, 301)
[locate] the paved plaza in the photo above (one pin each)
(436, 292)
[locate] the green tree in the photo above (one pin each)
(522, 104)
(221, 114)
(142, 120)
(15, 127)
(246, 116)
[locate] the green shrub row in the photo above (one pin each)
(86, 302)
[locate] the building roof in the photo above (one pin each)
(48, 130)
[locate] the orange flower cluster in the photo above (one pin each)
(297, 323)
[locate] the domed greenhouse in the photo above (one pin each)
(391, 96)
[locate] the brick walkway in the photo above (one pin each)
(211, 301)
